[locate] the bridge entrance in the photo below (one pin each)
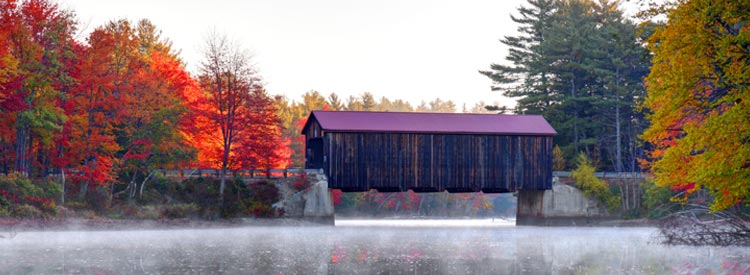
(314, 158)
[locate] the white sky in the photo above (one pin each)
(413, 50)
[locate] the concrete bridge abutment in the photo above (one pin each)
(563, 205)
(314, 203)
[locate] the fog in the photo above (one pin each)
(365, 247)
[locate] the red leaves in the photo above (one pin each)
(95, 171)
(140, 150)
(336, 194)
(687, 187)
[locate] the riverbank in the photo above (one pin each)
(103, 224)
(586, 222)
(107, 224)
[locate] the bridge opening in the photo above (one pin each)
(434, 205)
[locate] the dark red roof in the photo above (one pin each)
(446, 123)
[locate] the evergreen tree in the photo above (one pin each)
(580, 64)
(335, 102)
(528, 77)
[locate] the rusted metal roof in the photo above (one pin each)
(445, 123)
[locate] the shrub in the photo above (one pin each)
(301, 183)
(593, 186)
(28, 211)
(264, 191)
(22, 197)
(656, 198)
(19, 186)
(262, 195)
(180, 211)
(259, 209)
(98, 199)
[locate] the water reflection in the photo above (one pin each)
(367, 249)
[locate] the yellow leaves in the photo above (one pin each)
(698, 85)
(593, 186)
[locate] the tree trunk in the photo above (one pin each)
(222, 177)
(140, 191)
(131, 189)
(575, 115)
(62, 197)
(618, 133)
(618, 138)
(84, 184)
(21, 146)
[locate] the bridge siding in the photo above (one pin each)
(360, 161)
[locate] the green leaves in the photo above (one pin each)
(580, 64)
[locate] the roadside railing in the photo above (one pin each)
(215, 173)
(604, 175)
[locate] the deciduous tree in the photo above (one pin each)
(698, 92)
(231, 86)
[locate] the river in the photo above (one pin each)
(366, 247)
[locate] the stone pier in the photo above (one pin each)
(312, 204)
(563, 205)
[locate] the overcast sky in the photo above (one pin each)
(413, 50)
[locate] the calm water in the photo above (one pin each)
(366, 247)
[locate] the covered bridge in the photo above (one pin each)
(430, 152)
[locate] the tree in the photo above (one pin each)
(95, 109)
(439, 106)
(622, 65)
(527, 78)
(262, 146)
(39, 46)
(580, 64)
(368, 101)
(335, 102)
(293, 116)
(698, 92)
(227, 78)
(558, 160)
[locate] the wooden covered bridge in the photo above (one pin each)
(430, 152)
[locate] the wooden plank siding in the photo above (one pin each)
(433, 162)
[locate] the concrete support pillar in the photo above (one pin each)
(562, 205)
(318, 200)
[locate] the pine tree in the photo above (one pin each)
(528, 77)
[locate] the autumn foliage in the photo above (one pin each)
(114, 105)
(698, 101)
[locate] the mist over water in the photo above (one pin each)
(365, 247)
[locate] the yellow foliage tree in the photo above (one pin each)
(698, 96)
(558, 159)
(593, 186)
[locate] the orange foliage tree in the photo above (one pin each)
(238, 125)
(129, 109)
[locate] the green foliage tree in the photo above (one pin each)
(580, 64)
(698, 92)
(527, 77)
